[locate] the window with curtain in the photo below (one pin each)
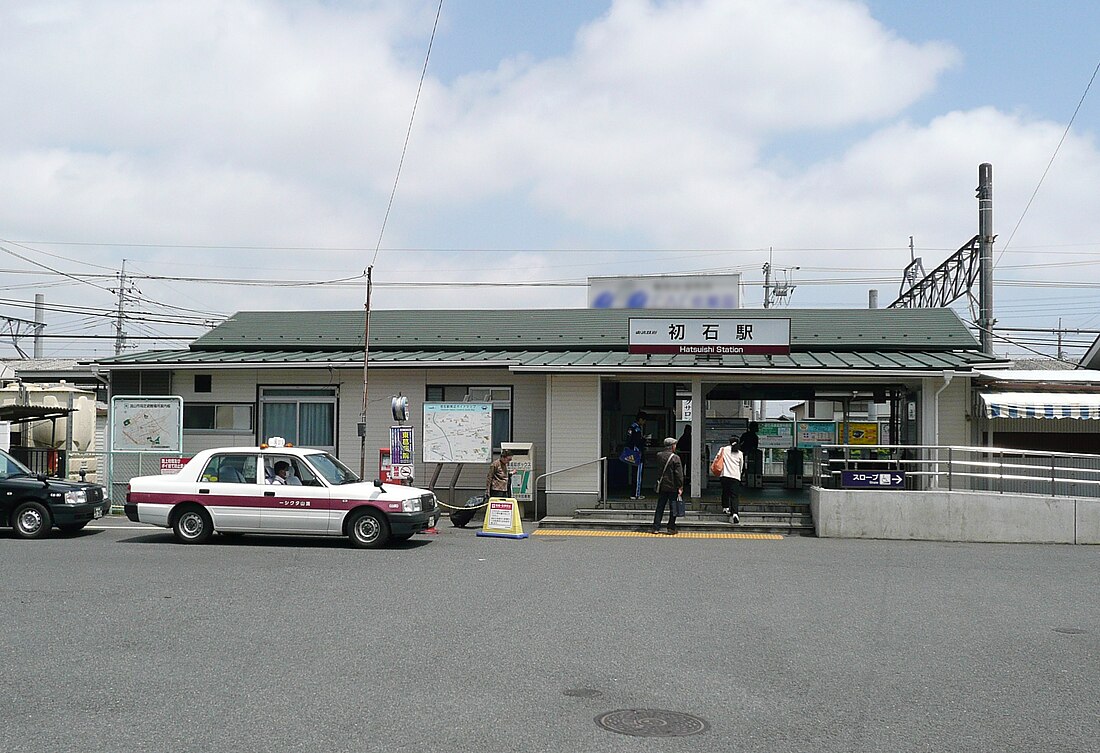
(303, 416)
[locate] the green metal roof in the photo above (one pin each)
(556, 360)
(812, 330)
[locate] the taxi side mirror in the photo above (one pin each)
(378, 483)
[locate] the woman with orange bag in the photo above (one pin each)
(728, 465)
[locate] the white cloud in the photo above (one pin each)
(668, 124)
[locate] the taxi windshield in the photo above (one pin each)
(331, 469)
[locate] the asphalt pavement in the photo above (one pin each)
(118, 639)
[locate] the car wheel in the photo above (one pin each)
(31, 520)
(368, 530)
(192, 526)
(72, 527)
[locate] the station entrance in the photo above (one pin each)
(790, 420)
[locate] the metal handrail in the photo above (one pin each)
(1048, 469)
(535, 486)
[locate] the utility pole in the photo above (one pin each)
(120, 333)
(985, 257)
(366, 362)
(768, 283)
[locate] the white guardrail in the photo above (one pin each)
(987, 469)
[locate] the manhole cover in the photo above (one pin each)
(581, 692)
(651, 723)
(1070, 631)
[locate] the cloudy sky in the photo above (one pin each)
(236, 153)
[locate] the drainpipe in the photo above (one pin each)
(947, 377)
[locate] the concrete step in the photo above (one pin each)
(797, 526)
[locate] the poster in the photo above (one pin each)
(816, 433)
(776, 435)
(858, 433)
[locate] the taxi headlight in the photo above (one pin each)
(411, 505)
(76, 498)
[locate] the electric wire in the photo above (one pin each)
(408, 135)
(1051, 162)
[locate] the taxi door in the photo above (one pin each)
(227, 489)
(295, 501)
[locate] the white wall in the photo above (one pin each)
(241, 386)
(572, 437)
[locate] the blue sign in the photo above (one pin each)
(401, 445)
(872, 479)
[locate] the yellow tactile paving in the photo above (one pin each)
(642, 534)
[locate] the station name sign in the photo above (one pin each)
(733, 337)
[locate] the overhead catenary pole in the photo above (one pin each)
(985, 257)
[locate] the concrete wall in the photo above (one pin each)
(955, 516)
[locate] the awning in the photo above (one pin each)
(1041, 405)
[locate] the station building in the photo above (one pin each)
(564, 380)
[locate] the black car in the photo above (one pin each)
(32, 504)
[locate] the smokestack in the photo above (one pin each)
(872, 299)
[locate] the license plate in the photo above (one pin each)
(97, 513)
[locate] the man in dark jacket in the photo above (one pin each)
(670, 485)
(635, 439)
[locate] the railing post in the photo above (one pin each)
(950, 469)
(1053, 485)
(1001, 473)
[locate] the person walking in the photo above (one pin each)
(499, 481)
(670, 486)
(635, 439)
(732, 462)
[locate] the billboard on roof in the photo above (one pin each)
(667, 292)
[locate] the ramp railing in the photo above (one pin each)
(955, 468)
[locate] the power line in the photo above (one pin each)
(408, 134)
(1051, 162)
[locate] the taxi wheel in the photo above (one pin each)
(368, 530)
(192, 525)
(31, 521)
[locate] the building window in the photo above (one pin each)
(499, 397)
(141, 383)
(204, 383)
(227, 417)
(304, 416)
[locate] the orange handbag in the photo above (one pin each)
(716, 466)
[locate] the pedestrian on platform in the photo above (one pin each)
(636, 440)
(732, 462)
(670, 486)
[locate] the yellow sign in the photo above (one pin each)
(502, 519)
(862, 433)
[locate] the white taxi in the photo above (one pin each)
(281, 490)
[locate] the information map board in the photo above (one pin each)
(458, 433)
(147, 424)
